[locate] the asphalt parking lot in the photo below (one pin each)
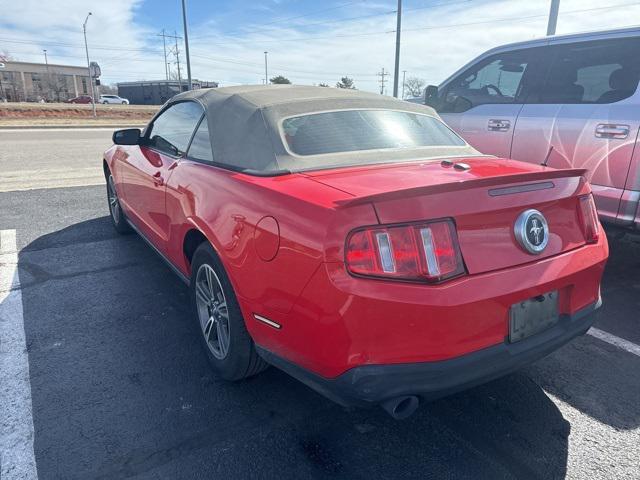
(120, 387)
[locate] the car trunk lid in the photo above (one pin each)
(484, 196)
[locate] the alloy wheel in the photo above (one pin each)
(114, 205)
(213, 313)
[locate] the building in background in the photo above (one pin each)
(156, 92)
(33, 82)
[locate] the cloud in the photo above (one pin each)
(357, 40)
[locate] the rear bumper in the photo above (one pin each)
(373, 384)
(618, 207)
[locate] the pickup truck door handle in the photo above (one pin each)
(496, 125)
(157, 179)
(611, 130)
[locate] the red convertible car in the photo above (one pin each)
(356, 242)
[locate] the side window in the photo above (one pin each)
(501, 78)
(200, 148)
(172, 130)
(603, 71)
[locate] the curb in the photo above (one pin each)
(45, 127)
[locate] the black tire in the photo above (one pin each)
(241, 359)
(118, 218)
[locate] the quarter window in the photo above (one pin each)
(604, 71)
(172, 130)
(200, 148)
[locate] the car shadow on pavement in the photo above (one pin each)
(121, 387)
(595, 377)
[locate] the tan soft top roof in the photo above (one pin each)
(267, 96)
(244, 124)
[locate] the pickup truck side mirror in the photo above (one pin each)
(128, 136)
(431, 96)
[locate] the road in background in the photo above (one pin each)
(121, 388)
(46, 158)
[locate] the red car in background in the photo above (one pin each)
(356, 242)
(80, 99)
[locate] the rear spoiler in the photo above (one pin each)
(539, 176)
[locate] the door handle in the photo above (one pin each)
(497, 125)
(611, 130)
(157, 179)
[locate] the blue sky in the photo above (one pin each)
(308, 41)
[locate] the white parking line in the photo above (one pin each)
(613, 340)
(17, 460)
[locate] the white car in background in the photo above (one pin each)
(113, 99)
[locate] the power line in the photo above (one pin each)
(306, 25)
(365, 34)
(278, 67)
(527, 17)
(339, 20)
(302, 38)
(435, 5)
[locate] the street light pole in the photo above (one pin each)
(396, 72)
(186, 44)
(553, 17)
(86, 49)
(2, 97)
(266, 77)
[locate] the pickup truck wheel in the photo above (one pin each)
(118, 218)
(227, 343)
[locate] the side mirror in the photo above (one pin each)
(431, 96)
(129, 136)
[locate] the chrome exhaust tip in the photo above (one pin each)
(401, 407)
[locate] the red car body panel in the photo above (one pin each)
(282, 241)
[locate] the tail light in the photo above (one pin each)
(589, 218)
(419, 252)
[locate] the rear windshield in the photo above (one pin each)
(359, 130)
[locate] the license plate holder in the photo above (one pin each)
(531, 316)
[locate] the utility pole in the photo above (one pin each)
(266, 76)
(46, 61)
(186, 44)
(164, 46)
(175, 52)
(553, 17)
(404, 74)
(382, 80)
(396, 71)
(175, 35)
(86, 49)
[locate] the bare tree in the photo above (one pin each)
(106, 89)
(6, 57)
(414, 87)
(56, 87)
